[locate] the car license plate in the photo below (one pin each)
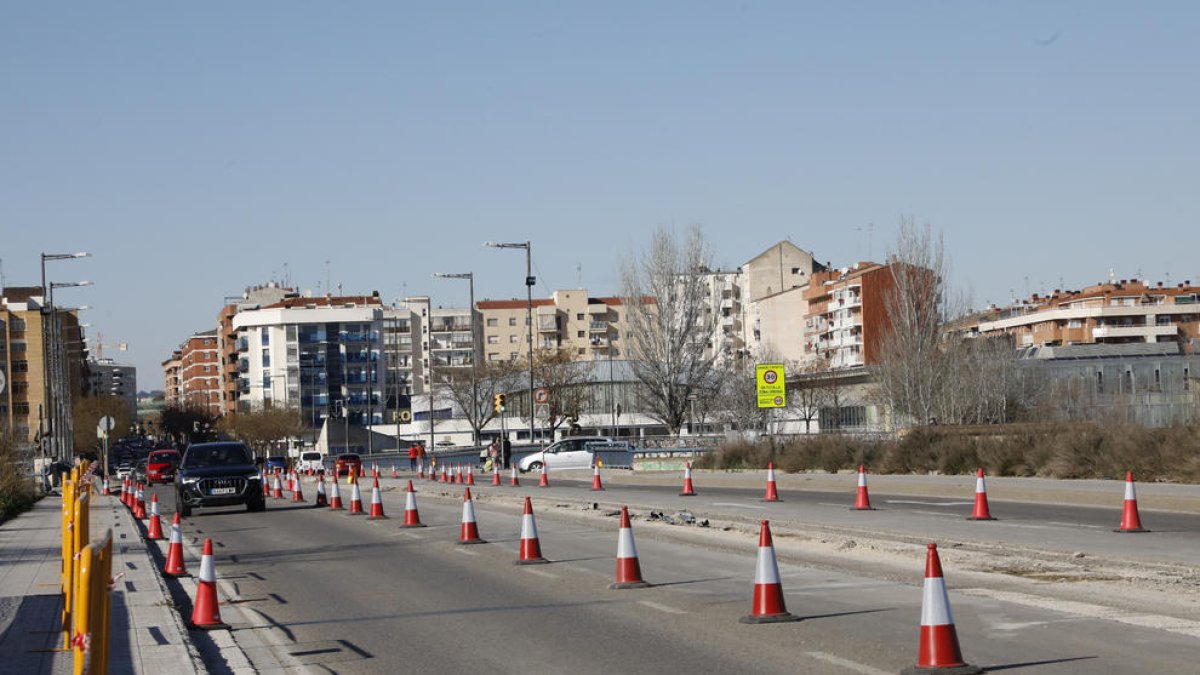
(223, 491)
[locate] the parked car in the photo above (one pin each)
(217, 474)
(346, 463)
(579, 452)
(311, 459)
(161, 466)
(276, 464)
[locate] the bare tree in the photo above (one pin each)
(912, 361)
(670, 321)
(736, 395)
(810, 391)
(568, 383)
(87, 412)
(262, 429)
(476, 405)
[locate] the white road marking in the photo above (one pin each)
(410, 535)
(661, 608)
(1095, 527)
(846, 663)
(913, 501)
(846, 505)
(935, 513)
(466, 551)
(740, 506)
(541, 573)
(1089, 611)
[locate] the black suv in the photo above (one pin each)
(217, 474)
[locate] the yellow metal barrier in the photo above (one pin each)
(68, 552)
(93, 608)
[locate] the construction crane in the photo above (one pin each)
(119, 346)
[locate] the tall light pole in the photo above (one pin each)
(49, 345)
(59, 391)
(475, 413)
(529, 282)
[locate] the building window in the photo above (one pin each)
(266, 337)
(513, 356)
(20, 366)
(579, 334)
(493, 339)
(21, 408)
(512, 339)
(266, 358)
(512, 320)
(493, 356)
(493, 322)
(579, 317)
(582, 351)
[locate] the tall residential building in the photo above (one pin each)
(172, 380)
(319, 355)
(252, 298)
(26, 340)
(587, 328)
(200, 373)
(109, 378)
(847, 314)
(775, 305)
(1117, 312)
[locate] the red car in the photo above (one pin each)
(346, 463)
(161, 466)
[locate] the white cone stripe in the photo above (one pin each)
(1129, 492)
(410, 501)
(528, 527)
(625, 545)
(208, 572)
(935, 603)
(862, 479)
(979, 486)
(375, 496)
(687, 472)
(767, 570)
(356, 494)
(176, 534)
(154, 509)
(771, 474)
(468, 512)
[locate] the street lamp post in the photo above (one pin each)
(49, 345)
(530, 280)
(59, 390)
(475, 413)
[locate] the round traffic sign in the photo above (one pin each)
(778, 400)
(541, 395)
(770, 376)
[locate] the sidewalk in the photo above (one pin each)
(147, 636)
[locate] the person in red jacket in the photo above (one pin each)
(414, 451)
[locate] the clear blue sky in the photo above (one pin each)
(197, 148)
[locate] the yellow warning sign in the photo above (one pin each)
(771, 385)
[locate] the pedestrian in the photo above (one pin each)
(506, 453)
(494, 452)
(413, 454)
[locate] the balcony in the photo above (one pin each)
(598, 326)
(1147, 333)
(547, 324)
(599, 343)
(243, 366)
(243, 344)
(305, 337)
(360, 358)
(598, 309)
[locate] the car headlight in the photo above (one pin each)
(187, 480)
(253, 476)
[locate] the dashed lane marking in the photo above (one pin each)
(740, 506)
(920, 503)
(661, 608)
(541, 573)
(465, 551)
(846, 663)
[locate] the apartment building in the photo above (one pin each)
(847, 314)
(172, 381)
(318, 355)
(200, 373)
(26, 331)
(1116, 312)
(252, 297)
(109, 378)
(586, 327)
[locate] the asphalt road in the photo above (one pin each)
(341, 594)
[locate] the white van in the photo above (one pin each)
(311, 459)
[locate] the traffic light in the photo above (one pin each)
(498, 403)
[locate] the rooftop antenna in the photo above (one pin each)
(1112, 275)
(287, 277)
(579, 274)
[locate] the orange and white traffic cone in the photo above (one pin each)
(688, 489)
(458, 475)
(122, 498)
(411, 517)
(356, 505)
(174, 566)
(470, 476)
(470, 529)
(376, 502)
(444, 478)
(514, 481)
(154, 533)
(596, 484)
(421, 468)
(297, 490)
(291, 481)
(335, 496)
(772, 491)
(322, 497)
(277, 488)
(206, 613)
(863, 501)
(107, 492)
(531, 549)
(544, 478)
(629, 570)
(139, 508)
(768, 606)
(981, 503)
(1130, 520)
(495, 475)
(393, 471)
(938, 652)
(266, 483)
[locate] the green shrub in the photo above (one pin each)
(17, 491)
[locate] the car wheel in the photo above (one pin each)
(536, 467)
(256, 505)
(182, 508)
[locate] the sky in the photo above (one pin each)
(195, 149)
